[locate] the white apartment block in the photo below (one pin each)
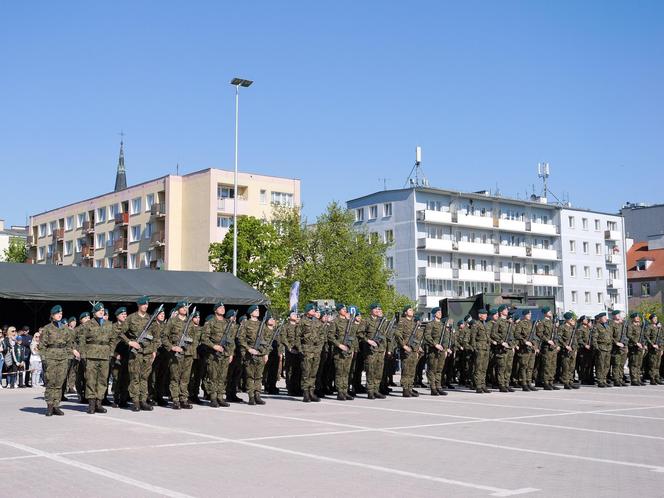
(166, 223)
(454, 244)
(594, 261)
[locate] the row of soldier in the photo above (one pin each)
(150, 358)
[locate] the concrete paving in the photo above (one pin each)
(590, 442)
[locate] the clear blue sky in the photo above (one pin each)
(344, 92)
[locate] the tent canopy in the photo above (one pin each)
(27, 282)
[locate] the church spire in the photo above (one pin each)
(121, 176)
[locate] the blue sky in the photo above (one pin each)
(344, 92)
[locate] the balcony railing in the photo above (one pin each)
(87, 251)
(158, 210)
(158, 238)
(120, 245)
(122, 219)
(88, 226)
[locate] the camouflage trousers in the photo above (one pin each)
(567, 362)
(602, 364)
(55, 375)
(435, 363)
(408, 366)
(96, 378)
(374, 363)
(618, 359)
(342, 363)
(310, 363)
(525, 360)
(217, 372)
(481, 365)
(549, 359)
(253, 367)
(140, 366)
(180, 368)
(635, 364)
(654, 360)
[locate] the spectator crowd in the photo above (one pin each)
(20, 359)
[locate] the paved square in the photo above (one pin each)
(590, 442)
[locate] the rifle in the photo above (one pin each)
(276, 333)
(225, 341)
(623, 333)
(379, 336)
(412, 339)
(571, 339)
(185, 340)
(509, 338)
(259, 336)
(144, 336)
(643, 330)
(446, 326)
(347, 339)
(531, 336)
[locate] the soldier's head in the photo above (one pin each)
(219, 309)
(56, 313)
(616, 316)
(461, 324)
(437, 313)
(71, 323)
(653, 319)
(546, 311)
(376, 310)
(292, 317)
(601, 318)
(310, 310)
(98, 311)
(253, 312)
(83, 317)
(408, 311)
(196, 318)
(342, 310)
(161, 317)
(182, 308)
(527, 315)
(271, 321)
(635, 317)
(482, 314)
(493, 313)
(121, 314)
(569, 318)
(231, 315)
(503, 310)
(358, 316)
(143, 302)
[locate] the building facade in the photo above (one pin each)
(594, 276)
(645, 271)
(166, 223)
(643, 220)
(8, 234)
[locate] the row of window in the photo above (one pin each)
(505, 214)
(373, 212)
(587, 297)
(599, 272)
(610, 225)
(134, 261)
(387, 238)
(281, 198)
(436, 261)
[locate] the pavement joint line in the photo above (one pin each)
(643, 417)
(494, 491)
(96, 470)
(583, 429)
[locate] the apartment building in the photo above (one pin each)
(166, 223)
(455, 244)
(7, 234)
(594, 274)
(645, 271)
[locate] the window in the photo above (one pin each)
(135, 233)
(40, 253)
(149, 201)
(586, 272)
(517, 267)
(587, 297)
(111, 238)
(584, 223)
(69, 223)
(133, 261)
(373, 212)
(598, 249)
(136, 205)
(434, 261)
(575, 297)
(148, 231)
(101, 240)
(282, 198)
(586, 248)
(435, 206)
(570, 221)
(69, 248)
(263, 196)
(389, 263)
(387, 209)
(599, 272)
(645, 289)
(613, 274)
(572, 271)
(224, 221)
(113, 210)
(641, 265)
(52, 226)
(49, 250)
(101, 215)
(471, 264)
(42, 230)
(600, 298)
(483, 265)
(547, 270)
(109, 262)
(79, 244)
(389, 236)
(572, 246)
(598, 226)
(359, 214)
(373, 237)
(99, 263)
(80, 220)
(611, 225)
(225, 192)
(435, 232)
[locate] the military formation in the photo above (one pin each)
(150, 358)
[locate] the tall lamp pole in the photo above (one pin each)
(237, 83)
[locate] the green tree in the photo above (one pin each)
(17, 252)
(650, 306)
(260, 256)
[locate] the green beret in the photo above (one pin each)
(180, 304)
(309, 307)
(526, 312)
(72, 319)
(340, 306)
(120, 310)
(568, 316)
(56, 309)
(373, 306)
(268, 316)
(653, 315)
(482, 311)
(196, 313)
(493, 311)
(242, 319)
(581, 319)
(502, 307)
(434, 310)
(633, 314)
(406, 308)
(459, 323)
(615, 312)
(143, 300)
(230, 313)
(358, 312)
(251, 309)
(83, 315)
(217, 305)
(600, 315)
(97, 307)
(209, 317)
(545, 309)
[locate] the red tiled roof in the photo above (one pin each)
(639, 251)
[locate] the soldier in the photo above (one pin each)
(235, 366)
(254, 349)
(437, 337)
(567, 342)
(503, 349)
(179, 341)
(619, 349)
(653, 341)
(76, 372)
(408, 339)
(468, 356)
(449, 374)
(480, 342)
(584, 358)
(340, 338)
(139, 363)
(549, 349)
(197, 360)
(325, 374)
(119, 358)
(525, 351)
(157, 380)
(293, 365)
(311, 339)
(56, 348)
(373, 352)
(602, 339)
(219, 337)
(636, 348)
(272, 372)
(96, 340)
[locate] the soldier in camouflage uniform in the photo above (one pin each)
(549, 349)
(96, 340)
(115, 370)
(254, 353)
(503, 349)
(342, 328)
(219, 338)
(619, 349)
(373, 352)
(139, 363)
(636, 349)
(293, 367)
(480, 342)
(76, 374)
(568, 344)
(235, 366)
(197, 360)
(272, 372)
(311, 338)
(602, 339)
(654, 340)
(584, 357)
(437, 337)
(467, 355)
(179, 330)
(157, 384)
(408, 338)
(525, 351)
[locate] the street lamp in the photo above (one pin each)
(237, 83)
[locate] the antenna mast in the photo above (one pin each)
(420, 180)
(543, 172)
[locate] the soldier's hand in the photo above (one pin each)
(77, 354)
(407, 349)
(529, 344)
(230, 359)
(449, 351)
(505, 345)
(568, 348)
(176, 349)
(550, 343)
(218, 348)
(134, 344)
(253, 351)
(460, 348)
(655, 346)
(620, 345)
(587, 346)
(154, 355)
(343, 347)
(640, 346)
(439, 347)
(264, 358)
(372, 343)
(494, 343)
(118, 357)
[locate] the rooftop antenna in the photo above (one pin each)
(420, 180)
(177, 169)
(543, 172)
(384, 182)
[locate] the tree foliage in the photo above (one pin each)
(650, 306)
(17, 252)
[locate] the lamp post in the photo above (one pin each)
(237, 83)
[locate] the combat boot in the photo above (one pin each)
(99, 408)
(503, 389)
(340, 396)
(91, 407)
(223, 403)
(176, 405)
(370, 395)
(349, 396)
(136, 405)
(406, 393)
(252, 402)
(554, 387)
(259, 400)
(49, 410)
(106, 402)
(479, 390)
(379, 395)
(531, 387)
(485, 390)
(186, 405)
(548, 387)
(414, 393)
(146, 407)
(434, 392)
(306, 397)
(509, 389)
(525, 387)
(441, 391)
(214, 403)
(57, 411)
(312, 395)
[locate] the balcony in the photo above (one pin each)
(541, 228)
(512, 225)
(120, 245)
(435, 273)
(544, 280)
(158, 210)
(88, 226)
(158, 238)
(613, 259)
(225, 205)
(539, 253)
(475, 221)
(58, 234)
(476, 275)
(434, 244)
(614, 283)
(87, 252)
(475, 248)
(122, 219)
(518, 251)
(611, 235)
(431, 216)
(515, 278)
